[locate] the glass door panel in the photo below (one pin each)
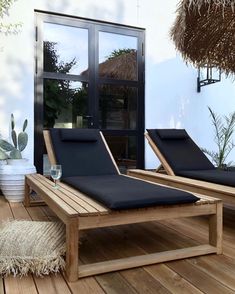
(65, 49)
(65, 104)
(117, 56)
(90, 74)
(123, 149)
(117, 107)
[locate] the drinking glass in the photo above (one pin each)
(56, 173)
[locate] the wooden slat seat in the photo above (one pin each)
(68, 197)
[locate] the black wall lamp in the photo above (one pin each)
(207, 75)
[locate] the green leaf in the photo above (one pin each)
(22, 140)
(25, 125)
(15, 154)
(13, 137)
(6, 146)
(3, 155)
(12, 122)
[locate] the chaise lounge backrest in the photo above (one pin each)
(81, 152)
(179, 150)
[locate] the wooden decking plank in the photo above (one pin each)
(171, 280)
(53, 284)
(197, 277)
(218, 267)
(19, 211)
(143, 282)
(37, 214)
(86, 285)
(5, 210)
(2, 291)
(20, 286)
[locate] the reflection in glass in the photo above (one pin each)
(65, 49)
(65, 104)
(117, 107)
(117, 56)
(123, 149)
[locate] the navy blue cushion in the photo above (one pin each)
(214, 176)
(120, 192)
(173, 134)
(81, 157)
(82, 136)
(180, 152)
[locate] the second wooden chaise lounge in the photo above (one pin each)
(186, 166)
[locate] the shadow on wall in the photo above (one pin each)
(172, 100)
(171, 93)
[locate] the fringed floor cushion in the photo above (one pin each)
(31, 247)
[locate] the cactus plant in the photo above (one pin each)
(13, 151)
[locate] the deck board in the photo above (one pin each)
(204, 274)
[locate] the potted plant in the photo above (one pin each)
(12, 175)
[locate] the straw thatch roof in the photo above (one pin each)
(204, 33)
(121, 67)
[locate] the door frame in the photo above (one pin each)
(93, 26)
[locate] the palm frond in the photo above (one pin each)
(223, 128)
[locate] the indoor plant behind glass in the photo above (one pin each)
(12, 175)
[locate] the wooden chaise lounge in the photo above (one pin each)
(185, 166)
(80, 210)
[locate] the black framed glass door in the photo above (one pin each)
(90, 75)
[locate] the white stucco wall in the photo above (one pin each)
(171, 97)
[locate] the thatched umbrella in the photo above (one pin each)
(204, 33)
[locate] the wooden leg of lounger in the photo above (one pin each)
(72, 236)
(216, 228)
(26, 194)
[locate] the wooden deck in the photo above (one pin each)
(206, 274)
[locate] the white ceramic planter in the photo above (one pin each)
(12, 179)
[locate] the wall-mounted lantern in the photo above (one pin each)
(207, 75)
